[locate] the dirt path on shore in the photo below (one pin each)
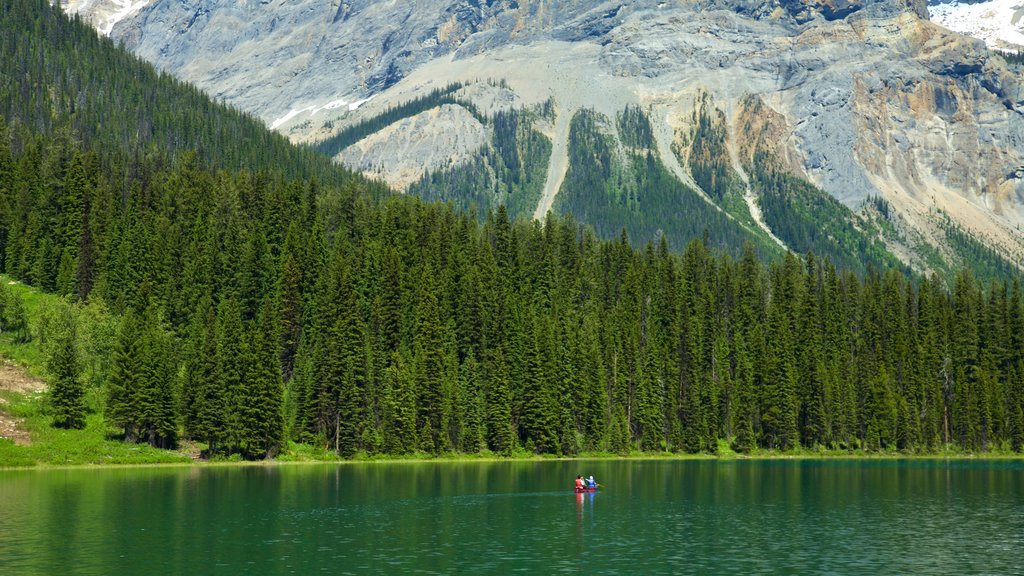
(14, 379)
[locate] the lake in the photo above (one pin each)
(652, 517)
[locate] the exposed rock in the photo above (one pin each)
(402, 152)
(489, 98)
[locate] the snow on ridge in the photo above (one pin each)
(998, 22)
(126, 9)
(334, 105)
(312, 110)
(355, 105)
(291, 114)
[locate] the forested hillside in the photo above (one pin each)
(258, 309)
(633, 190)
(60, 77)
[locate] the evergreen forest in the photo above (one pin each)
(259, 306)
(256, 310)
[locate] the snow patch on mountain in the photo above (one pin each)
(1000, 23)
(104, 14)
(312, 110)
(127, 8)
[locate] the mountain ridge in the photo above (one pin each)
(932, 119)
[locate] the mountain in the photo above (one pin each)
(855, 128)
(997, 22)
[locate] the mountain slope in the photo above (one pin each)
(63, 77)
(868, 99)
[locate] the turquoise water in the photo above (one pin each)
(653, 517)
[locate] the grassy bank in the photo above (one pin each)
(49, 446)
(55, 447)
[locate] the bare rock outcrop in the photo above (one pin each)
(401, 153)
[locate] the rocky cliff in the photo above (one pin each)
(869, 98)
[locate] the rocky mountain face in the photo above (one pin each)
(916, 130)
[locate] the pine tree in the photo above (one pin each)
(122, 408)
(207, 409)
(290, 288)
(500, 433)
(232, 365)
(779, 405)
(429, 365)
(7, 211)
(72, 214)
(260, 398)
(1015, 407)
(299, 418)
(156, 389)
(254, 280)
(745, 439)
(619, 434)
(536, 419)
(930, 365)
(650, 393)
(347, 376)
(67, 394)
(592, 406)
(967, 420)
(400, 412)
(811, 360)
(881, 412)
(15, 319)
(471, 409)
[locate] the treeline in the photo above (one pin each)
(254, 312)
(983, 260)
(254, 307)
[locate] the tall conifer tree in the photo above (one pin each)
(260, 399)
(67, 394)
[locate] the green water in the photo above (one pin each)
(821, 517)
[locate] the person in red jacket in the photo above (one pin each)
(579, 484)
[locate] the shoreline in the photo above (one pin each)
(199, 464)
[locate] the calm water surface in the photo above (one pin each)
(833, 517)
